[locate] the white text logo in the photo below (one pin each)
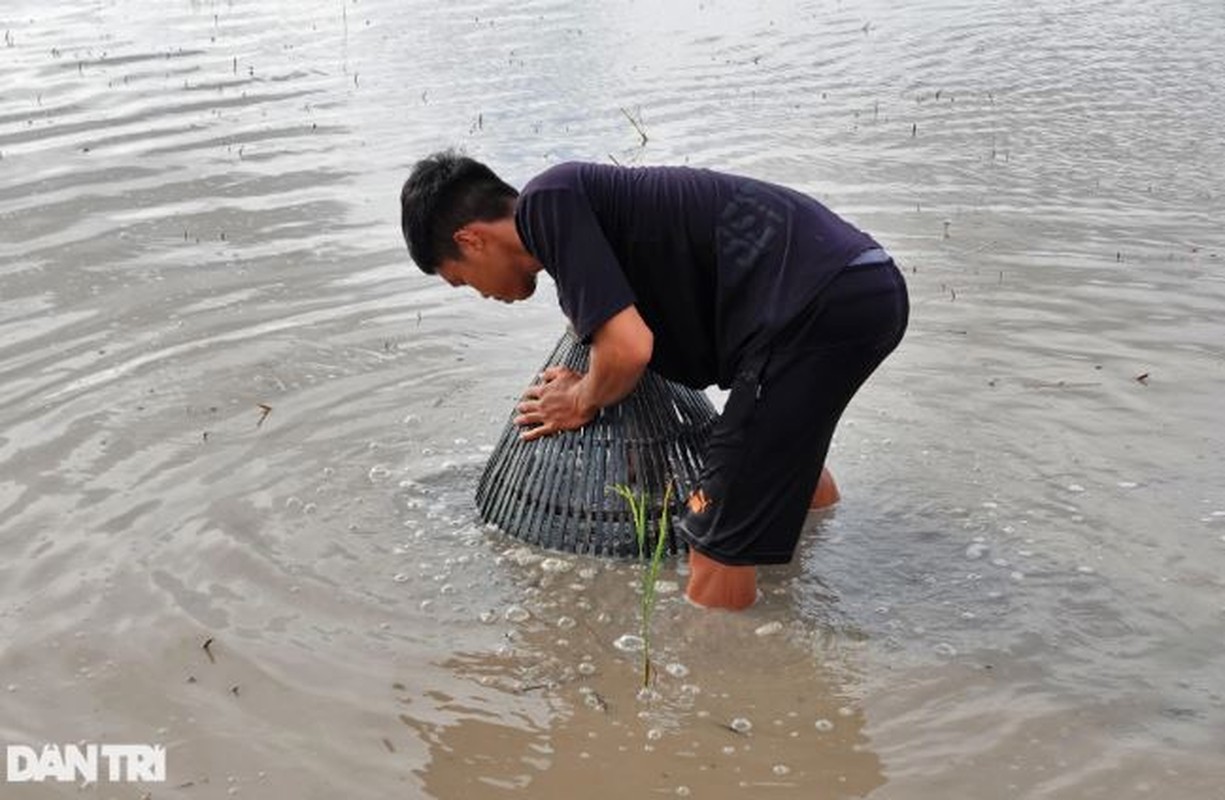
(74, 762)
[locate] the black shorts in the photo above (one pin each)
(767, 449)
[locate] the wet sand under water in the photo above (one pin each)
(232, 412)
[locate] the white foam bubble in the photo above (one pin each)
(770, 628)
(629, 643)
(823, 725)
(976, 551)
(741, 725)
(677, 670)
(524, 556)
(517, 614)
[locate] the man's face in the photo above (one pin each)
(489, 269)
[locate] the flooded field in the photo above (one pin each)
(232, 412)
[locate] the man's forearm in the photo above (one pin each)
(608, 380)
(620, 351)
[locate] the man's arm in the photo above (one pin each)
(565, 400)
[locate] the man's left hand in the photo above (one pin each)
(553, 405)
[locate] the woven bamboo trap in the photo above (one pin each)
(554, 492)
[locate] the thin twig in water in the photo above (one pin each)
(636, 125)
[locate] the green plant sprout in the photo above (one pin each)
(638, 514)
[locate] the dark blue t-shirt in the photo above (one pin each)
(716, 264)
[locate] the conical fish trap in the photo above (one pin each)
(555, 492)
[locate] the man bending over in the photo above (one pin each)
(708, 279)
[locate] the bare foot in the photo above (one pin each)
(827, 491)
(716, 585)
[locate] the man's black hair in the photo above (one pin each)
(445, 192)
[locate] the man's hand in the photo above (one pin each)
(553, 405)
(565, 400)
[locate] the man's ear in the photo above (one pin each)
(466, 238)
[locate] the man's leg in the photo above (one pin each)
(763, 466)
(715, 585)
(767, 451)
(827, 491)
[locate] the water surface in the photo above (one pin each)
(231, 409)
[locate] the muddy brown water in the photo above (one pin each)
(1020, 595)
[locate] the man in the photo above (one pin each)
(707, 278)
